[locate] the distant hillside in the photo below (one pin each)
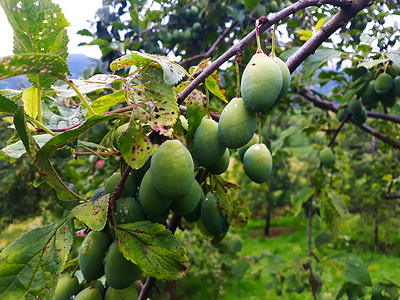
(76, 63)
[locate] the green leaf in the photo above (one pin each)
(319, 24)
(7, 105)
(301, 196)
(339, 204)
(250, 4)
(194, 116)
(83, 86)
(29, 267)
(104, 103)
(172, 72)
(155, 101)
(372, 63)
(356, 270)
(153, 248)
(22, 128)
(43, 165)
(277, 144)
(105, 79)
(316, 60)
(93, 214)
(39, 27)
(84, 32)
(212, 83)
(14, 151)
(237, 216)
(136, 147)
(305, 34)
(394, 56)
(34, 63)
(30, 100)
(64, 138)
(353, 291)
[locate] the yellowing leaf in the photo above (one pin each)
(305, 34)
(319, 24)
(30, 100)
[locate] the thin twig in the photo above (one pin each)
(308, 97)
(346, 117)
(213, 47)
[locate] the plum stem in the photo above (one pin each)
(259, 129)
(273, 42)
(259, 50)
(208, 100)
(237, 77)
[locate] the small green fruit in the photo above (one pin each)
(89, 294)
(369, 97)
(158, 217)
(185, 205)
(196, 26)
(383, 83)
(187, 35)
(257, 163)
(211, 216)
(236, 124)
(396, 86)
(118, 132)
(242, 150)
(222, 164)
(207, 147)
(195, 214)
(67, 287)
(361, 117)
(91, 254)
(341, 113)
(285, 77)
(326, 156)
(127, 210)
(396, 68)
(150, 199)
(355, 107)
(139, 173)
(172, 169)
(388, 99)
(97, 194)
(130, 186)
(120, 272)
(121, 294)
(261, 83)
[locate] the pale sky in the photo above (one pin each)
(77, 12)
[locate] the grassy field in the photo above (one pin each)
(289, 242)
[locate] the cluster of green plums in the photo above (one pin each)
(99, 256)
(183, 26)
(68, 288)
(383, 87)
(264, 81)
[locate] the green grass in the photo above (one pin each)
(289, 245)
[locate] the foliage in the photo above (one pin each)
(80, 119)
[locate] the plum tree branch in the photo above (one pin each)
(309, 97)
(339, 20)
(348, 10)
